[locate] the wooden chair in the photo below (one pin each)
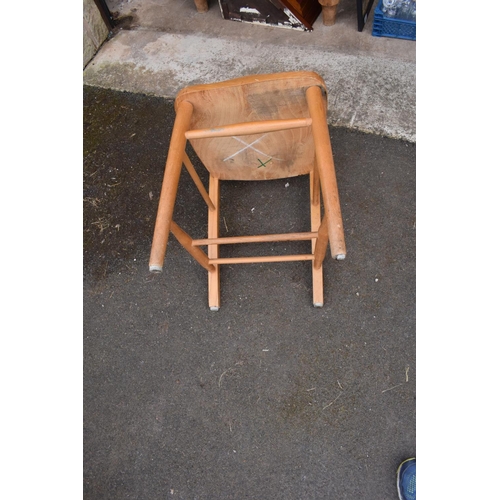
(256, 127)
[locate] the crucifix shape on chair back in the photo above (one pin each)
(256, 127)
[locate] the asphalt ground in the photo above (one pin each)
(268, 398)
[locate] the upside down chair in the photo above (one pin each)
(257, 128)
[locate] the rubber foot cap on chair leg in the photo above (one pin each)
(318, 304)
(214, 308)
(155, 269)
(340, 256)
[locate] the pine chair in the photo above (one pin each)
(256, 127)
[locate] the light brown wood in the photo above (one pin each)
(231, 240)
(201, 5)
(285, 133)
(315, 207)
(326, 169)
(213, 249)
(169, 187)
(196, 179)
(329, 10)
(185, 240)
(268, 155)
(316, 191)
(321, 244)
(248, 128)
(255, 260)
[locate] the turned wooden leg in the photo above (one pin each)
(201, 5)
(326, 170)
(317, 267)
(329, 11)
(169, 187)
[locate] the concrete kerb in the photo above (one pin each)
(374, 95)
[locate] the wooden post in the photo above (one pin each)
(317, 271)
(249, 128)
(186, 241)
(213, 250)
(169, 186)
(321, 244)
(197, 181)
(326, 169)
(316, 191)
(329, 11)
(201, 5)
(267, 258)
(258, 238)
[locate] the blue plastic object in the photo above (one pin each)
(407, 480)
(392, 27)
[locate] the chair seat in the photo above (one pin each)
(260, 156)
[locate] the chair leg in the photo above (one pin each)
(317, 273)
(169, 186)
(201, 5)
(187, 242)
(321, 244)
(213, 250)
(326, 168)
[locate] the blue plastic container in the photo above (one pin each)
(392, 27)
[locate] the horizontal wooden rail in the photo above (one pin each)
(248, 128)
(230, 240)
(255, 260)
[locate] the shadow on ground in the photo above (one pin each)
(269, 398)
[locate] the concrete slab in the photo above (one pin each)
(168, 45)
(180, 16)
